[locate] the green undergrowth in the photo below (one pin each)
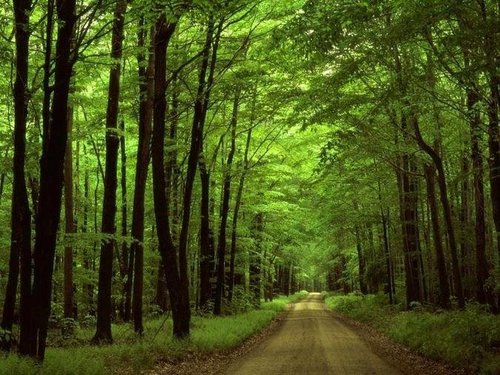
(208, 334)
(468, 339)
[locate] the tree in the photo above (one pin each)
(175, 266)
(37, 307)
(20, 248)
(104, 305)
(69, 222)
(224, 211)
(146, 91)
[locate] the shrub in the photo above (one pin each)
(6, 339)
(242, 301)
(465, 339)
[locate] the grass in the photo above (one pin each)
(466, 339)
(208, 334)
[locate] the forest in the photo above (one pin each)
(175, 168)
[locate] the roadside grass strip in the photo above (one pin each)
(467, 339)
(131, 352)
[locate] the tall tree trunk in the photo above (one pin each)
(200, 111)
(409, 219)
(286, 280)
(3, 174)
(482, 271)
(201, 108)
(104, 306)
(255, 269)
(88, 289)
(124, 258)
(234, 225)
(408, 199)
(206, 238)
(494, 148)
(493, 108)
(387, 253)
(47, 70)
(20, 246)
(444, 287)
(161, 296)
(207, 245)
(69, 221)
(237, 205)
(361, 261)
(224, 211)
(177, 282)
(443, 194)
(384, 216)
(51, 183)
(146, 92)
(464, 218)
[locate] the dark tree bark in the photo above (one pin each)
(286, 280)
(361, 262)
(465, 223)
(161, 296)
(146, 92)
(269, 291)
(408, 199)
(207, 252)
(224, 210)
(482, 270)
(47, 70)
(202, 103)
(409, 219)
(20, 246)
(3, 174)
(493, 109)
(175, 270)
(494, 151)
(69, 222)
(200, 111)
(255, 271)
(88, 289)
(362, 254)
(237, 204)
(384, 216)
(443, 194)
(104, 306)
(96, 214)
(234, 224)
(444, 287)
(207, 243)
(33, 341)
(124, 255)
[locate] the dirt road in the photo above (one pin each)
(311, 341)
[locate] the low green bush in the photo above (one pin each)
(280, 303)
(241, 302)
(298, 296)
(466, 339)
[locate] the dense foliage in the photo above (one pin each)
(192, 157)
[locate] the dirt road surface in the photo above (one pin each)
(311, 341)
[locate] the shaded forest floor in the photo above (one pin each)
(424, 342)
(133, 354)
